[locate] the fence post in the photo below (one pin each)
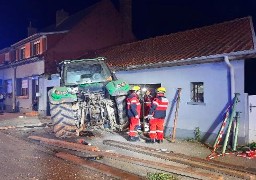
(235, 132)
(230, 122)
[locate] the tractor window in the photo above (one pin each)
(86, 72)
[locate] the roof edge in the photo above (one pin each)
(34, 36)
(197, 60)
(253, 32)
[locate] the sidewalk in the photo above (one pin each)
(20, 119)
(8, 116)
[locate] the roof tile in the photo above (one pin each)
(231, 36)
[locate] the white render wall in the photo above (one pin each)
(23, 71)
(43, 85)
(216, 89)
(7, 74)
(28, 70)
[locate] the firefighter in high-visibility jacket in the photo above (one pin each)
(134, 107)
(157, 116)
(148, 98)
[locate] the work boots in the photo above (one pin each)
(160, 141)
(150, 141)
(133, 138)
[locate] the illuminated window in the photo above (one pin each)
(22, 53)
(197, 92)
(36, 48)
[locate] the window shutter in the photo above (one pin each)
(18, 86)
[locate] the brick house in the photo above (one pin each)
(26, 66)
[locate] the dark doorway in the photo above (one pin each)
(249, 77)
(35, 90)
(48, 113)
(144, 88)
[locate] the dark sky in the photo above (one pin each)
(150, 17)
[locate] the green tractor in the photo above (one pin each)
(90, 96)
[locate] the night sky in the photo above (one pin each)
(150, 17)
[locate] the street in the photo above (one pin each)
(29, 150)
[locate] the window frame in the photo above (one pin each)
(197, 94)
(22, 92)
(36, 48)
(22, 52)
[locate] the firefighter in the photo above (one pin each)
(134, 107)
(157, 115)
(148, 98)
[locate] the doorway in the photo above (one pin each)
(252, 118)
(48, 112)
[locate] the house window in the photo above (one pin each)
(7, 57)
(22, 86)
(22, 53)
(36, 48)
(8, 86)
(197, 92)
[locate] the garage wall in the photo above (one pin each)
(208, 115)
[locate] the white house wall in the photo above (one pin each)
(206, 116)
(24, 71)
(7, 74)
(44, 83)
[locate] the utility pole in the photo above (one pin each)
(14, 90)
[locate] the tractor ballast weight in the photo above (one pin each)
(89, 96)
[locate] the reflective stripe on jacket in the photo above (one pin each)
(159, 107)
(133, 105)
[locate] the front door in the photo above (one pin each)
(252, 118)
(48, 113)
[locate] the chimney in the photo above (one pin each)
(31, 30)
(61, 16)
(126, 13)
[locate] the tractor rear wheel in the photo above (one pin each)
(111, 113)
(63, 120)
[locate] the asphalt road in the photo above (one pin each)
(23, 158)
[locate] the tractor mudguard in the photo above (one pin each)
(118, 88)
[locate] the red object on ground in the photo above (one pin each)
(82, 141)
(248, 154)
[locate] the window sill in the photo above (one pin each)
(196, 103)
(22, 97)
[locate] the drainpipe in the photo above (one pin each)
(232, 78)
(14, 108)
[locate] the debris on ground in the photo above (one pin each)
(64, 144)
(82, 141)
(7, 127)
